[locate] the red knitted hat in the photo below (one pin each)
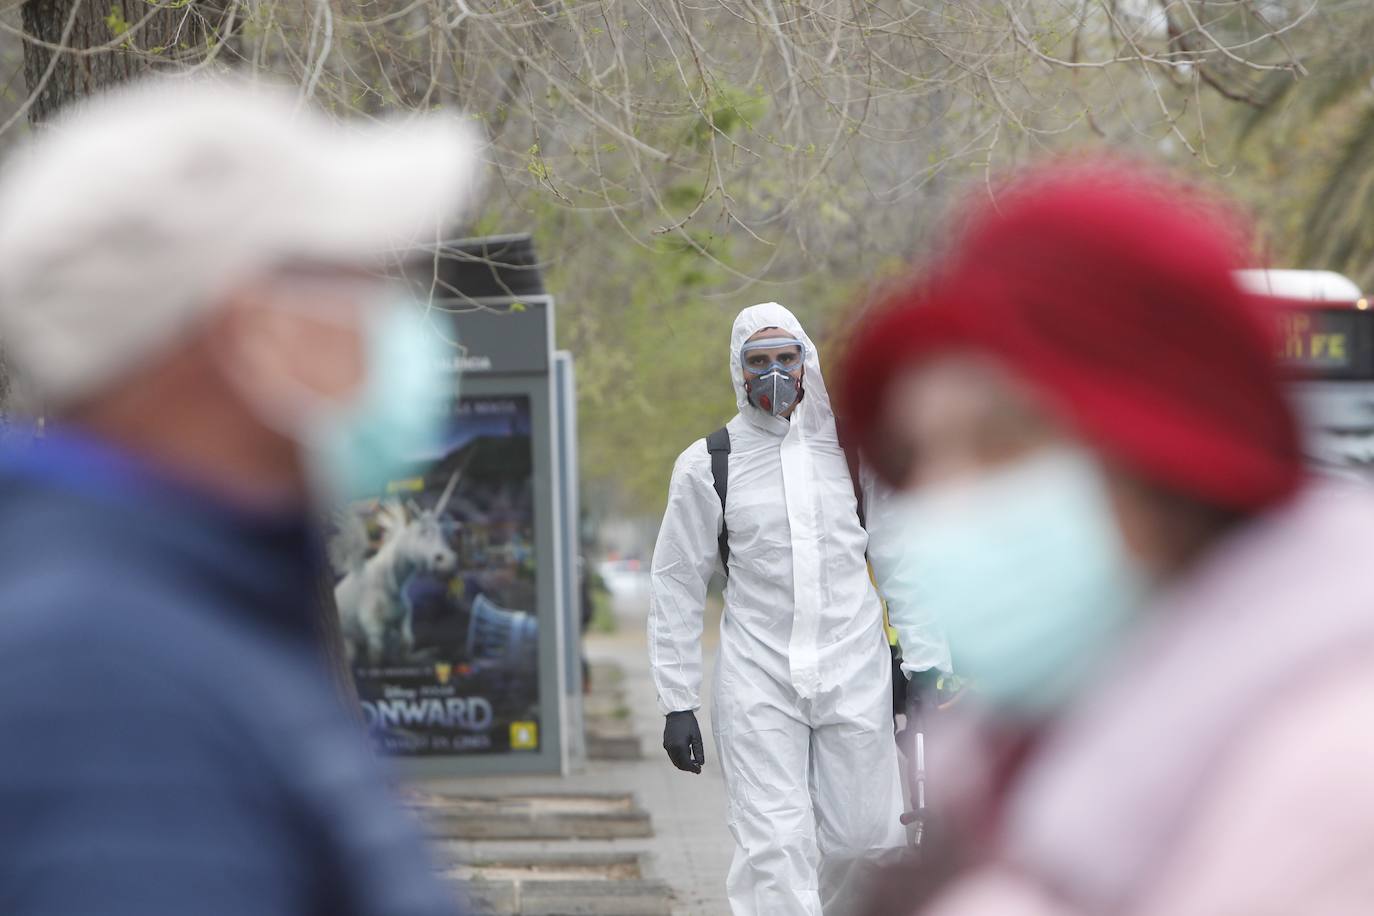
(1112, 293)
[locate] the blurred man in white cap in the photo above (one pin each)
(189, 287)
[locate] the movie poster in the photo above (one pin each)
(436, 593)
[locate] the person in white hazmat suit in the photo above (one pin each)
(802, 695)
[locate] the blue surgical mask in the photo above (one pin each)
(391, 424)
(1026, 570)
(397, 417)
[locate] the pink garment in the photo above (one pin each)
(1225, 763)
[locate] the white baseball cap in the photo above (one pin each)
(124, 222)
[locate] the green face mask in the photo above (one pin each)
(1026, 571)
(392, 423)
(396, 419)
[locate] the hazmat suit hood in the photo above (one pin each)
(814, 412)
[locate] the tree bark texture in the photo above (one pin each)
(77, 47)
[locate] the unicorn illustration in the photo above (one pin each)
(374, 612)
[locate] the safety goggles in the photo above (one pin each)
(759, 357)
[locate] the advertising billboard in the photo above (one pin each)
(438, 606)
(452, 585)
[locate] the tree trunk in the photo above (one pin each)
(77, 47)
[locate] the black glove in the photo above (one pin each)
(682, 741)
(922, 690)
(898, 682)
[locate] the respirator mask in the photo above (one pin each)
(773, 371)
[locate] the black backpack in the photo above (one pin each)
(718, 444)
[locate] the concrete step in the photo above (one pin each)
(608, 720)
(562, 865)
(570, 898)
(606, 706)
(543, 884)
(540, 816)
(614, 691)
(613, 747)
(606, 680)
(606, 672)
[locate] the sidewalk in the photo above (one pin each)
(690, 848)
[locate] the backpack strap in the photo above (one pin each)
(718, 444)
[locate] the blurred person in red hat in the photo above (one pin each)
(1169, 627)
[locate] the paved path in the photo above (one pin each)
(691, 847)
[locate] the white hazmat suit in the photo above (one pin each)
(802, 695)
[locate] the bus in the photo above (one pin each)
(1326, 337)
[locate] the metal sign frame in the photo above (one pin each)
(512, 370)
(569, 549)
